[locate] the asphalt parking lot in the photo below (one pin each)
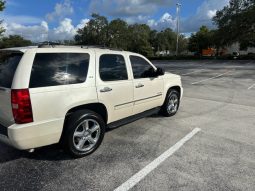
(219, 99)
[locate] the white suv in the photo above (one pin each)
(71, 95)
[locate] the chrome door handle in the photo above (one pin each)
(139, 86)
(106, 89)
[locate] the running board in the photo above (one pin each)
(132, 118)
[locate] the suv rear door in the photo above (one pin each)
(9, 61)
(114, 85)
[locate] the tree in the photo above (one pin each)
(95, 32)
(118, 34)
(183, 44)
(14, 41)
(166, 40)
(236, 23)
(139, 35)
(2, 6)
(201, 40)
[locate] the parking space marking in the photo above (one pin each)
(197, 71)
(252, 86)
(211, 78)
(130, 183)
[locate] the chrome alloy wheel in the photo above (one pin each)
(172, 105)
(86, 135)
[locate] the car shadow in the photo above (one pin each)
(49, 153)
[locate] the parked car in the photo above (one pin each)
(71, 95)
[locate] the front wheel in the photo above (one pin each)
(83, 133)
(171, 104)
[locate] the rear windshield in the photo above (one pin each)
(8, 65)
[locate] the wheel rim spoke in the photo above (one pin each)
(91, 140)
(81, 143)
(94, 128)
(79, 134)
(86, 125)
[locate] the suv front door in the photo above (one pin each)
(148, 91)
(114, 86)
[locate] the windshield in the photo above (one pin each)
(8, 65)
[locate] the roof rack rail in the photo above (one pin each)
(101, 47)
(48, 44)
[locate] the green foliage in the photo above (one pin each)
(2, 6)
(236, 23)
(94, 33)
(137, 37)
(118, 34)
(183, 44)
(203, 39)
(14, 41)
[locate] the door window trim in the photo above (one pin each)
(129, 57)
(126, 65)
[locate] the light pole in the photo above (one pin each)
(178, 7)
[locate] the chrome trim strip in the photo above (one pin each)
(138, 100)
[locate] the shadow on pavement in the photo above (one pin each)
(48, 153)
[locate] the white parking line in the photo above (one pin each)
(197, 71)
(252, 86)
(130, 183)
(211, 78)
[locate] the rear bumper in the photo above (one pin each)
(32, 135)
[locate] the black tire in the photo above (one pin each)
(75, 121)
(165, 111)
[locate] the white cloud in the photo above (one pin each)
(41, 32)
(130, 8)
(83, 23)
(61, 10)
(204, 14)
(21, 19)
(211, 13)
(35, 33)
(166, 21)
(65, 31)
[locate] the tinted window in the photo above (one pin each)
(8, 65)
(141, 68)
(112, 67)
(53, 69)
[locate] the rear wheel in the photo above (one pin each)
(171, 104)
(83, 133)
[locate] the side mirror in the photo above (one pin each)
(160, 71)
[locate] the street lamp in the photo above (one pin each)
(178, 7)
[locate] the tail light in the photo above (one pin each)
(21, 106)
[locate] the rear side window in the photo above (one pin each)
(8, 65)
(112, 67)
(54, 69)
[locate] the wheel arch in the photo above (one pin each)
(99, 108)
(172, 87)
(177, 88)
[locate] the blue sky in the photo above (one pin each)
(59, 19)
